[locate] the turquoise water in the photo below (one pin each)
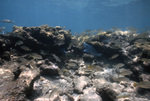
(77, 15)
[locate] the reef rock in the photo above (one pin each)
(16, 83)
(109, 91)
(49, 69)
(90, 95)
(28, 53)
(80, 83)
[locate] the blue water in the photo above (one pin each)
(77, 15)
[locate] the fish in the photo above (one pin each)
(2, 30)
(145, 60)
(65, 70)
(119, 79)
(18, 43)
(32, 64)
(142, 84)
(92, 68)
(97, 68)
(125, 72)
(25, 48)
(123, 95)
(7, 21)
(86, 70)
(56, 58)
(106, 65)
(118, 65)
(42, 52)
(91, 50)
(59, 42)
(36, 56)
(114, 56)
(71, 64)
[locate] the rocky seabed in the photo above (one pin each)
(50, 64)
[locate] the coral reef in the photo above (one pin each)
(50, 64)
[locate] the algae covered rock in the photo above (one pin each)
(16, 83)
(107, 93)
(41, 38)
(50, 69)
(80, 83)
(90, 95)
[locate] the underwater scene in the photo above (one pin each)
(74, 50)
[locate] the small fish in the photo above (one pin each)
(125, 72)
(18, 43)
(114, 56)
(36, 56)
(7, 21)
(25, 48)
(92, 68)
(56, 58)
(106, 65)
(2, 30)
(145, 60)
(42, 52)
(142, 84)
(123, 95)
(118, 65)
(59, 42)
(86, 70)
(71, 64)
(119, 79)
(97, 68)
(91, 50)
(65, 70)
